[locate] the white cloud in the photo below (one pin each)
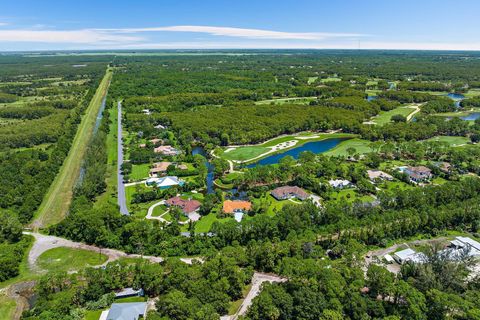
(3, 24)
(87, 36)
(239, 32)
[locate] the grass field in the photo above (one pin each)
(361, 147)
(385, 117)
(140, 171)
(451, 140)
(312, 80)
(330, 79)
(67, 259)
(246, 153)
(159, 210)
(7, 307)
(472, 93)
(57, 200)
(110, 193)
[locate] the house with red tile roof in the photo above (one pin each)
(233, 206)
(187, 206)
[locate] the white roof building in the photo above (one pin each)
(339, 183)
(409, 255)
(168, 181)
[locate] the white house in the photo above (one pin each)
(375, 175)
(168, 181)
(340, 184)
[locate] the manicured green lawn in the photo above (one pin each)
(66, 259)
(311, 80)
(451, 140)
(385, 116)
(159, 210)
(140, 171)
(349, 195)
(93, 315)
(395, 185)
(472, 93)
(7, 307)
(330, 79)
(361, 147)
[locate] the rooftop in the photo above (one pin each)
(231, 206)
(287, 191)
(127, 311)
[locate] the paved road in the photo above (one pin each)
(122, 200)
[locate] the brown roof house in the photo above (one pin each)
(287, 192)
(419, 173)
(444, 166)
(376, 175)
(159, 168)
(189, 207)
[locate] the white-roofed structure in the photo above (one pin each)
(168, 181)
(339, 183)
(409, 255)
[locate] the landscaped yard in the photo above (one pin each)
(360, 146)
(140, 171)
(349, 195)
(159, 210)
(66, 259)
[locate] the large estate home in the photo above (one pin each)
(288, 192)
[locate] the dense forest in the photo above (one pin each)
(217, 100)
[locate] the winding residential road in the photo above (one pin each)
(122, 200)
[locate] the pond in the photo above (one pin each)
(315, 147)
(210, 167)
(457, 97)
(471, 117)
(371, 98)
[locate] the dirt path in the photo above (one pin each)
(257, 281)
(44, 242)
(417, 110)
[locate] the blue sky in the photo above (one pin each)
(162, 24)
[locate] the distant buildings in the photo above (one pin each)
(167, 150)
(125, 311)
(287, 192)
(376, 175)
(340, 184)
(418, 174)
